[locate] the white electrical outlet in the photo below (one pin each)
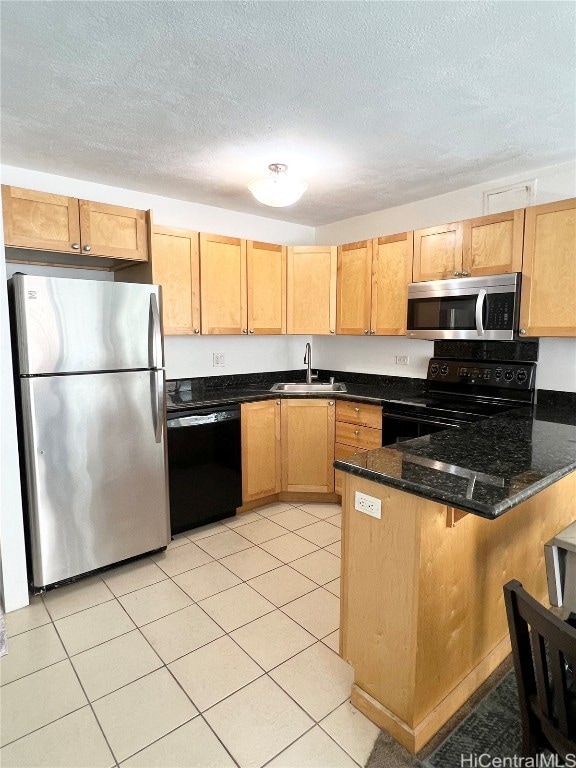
(402, 359)
(368, 504)
(218, 360)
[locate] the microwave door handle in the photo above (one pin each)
(480, 299)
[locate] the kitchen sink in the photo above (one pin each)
(302, 387)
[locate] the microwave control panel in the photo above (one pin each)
(499, 311)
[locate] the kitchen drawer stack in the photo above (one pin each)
(358, 429)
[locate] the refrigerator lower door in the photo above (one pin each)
(96, 470)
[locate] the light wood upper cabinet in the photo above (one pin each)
(548, 301)
(176, 267)
(243, 286)
(46, 222)
(311, 287)
(40, 220)
(373, 277)
(308, 445)
(437, 252)
(266, 279)
(391, 273)
(261, 455)
(492, 245)
(223, 284)
(354, 288)
(111, 230)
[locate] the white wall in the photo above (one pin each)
(372, 354)
(187, 357)
(557, 365)
(12, 552)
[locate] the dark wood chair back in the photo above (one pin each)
(544, 652)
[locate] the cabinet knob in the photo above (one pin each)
(357, 410)
(87, 248)
(331, 330)
(196, 330)
(372, 333)
(465, 274)
(251, 330)
(366, 330)
(331, 402)
(277, 402)
(75, 246)
(244, 330)
(457, 274)
(356, 431)
(522, 331)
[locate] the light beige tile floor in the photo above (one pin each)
(221, 652)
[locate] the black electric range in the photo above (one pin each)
(459, 392)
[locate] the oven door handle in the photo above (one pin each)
(480, 300)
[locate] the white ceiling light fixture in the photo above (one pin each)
(278, 189)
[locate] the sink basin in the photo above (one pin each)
(302, 387)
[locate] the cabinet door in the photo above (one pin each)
(312, 289)
(261, 470)
(548, 302)
(176, 267)
(266, 275)
(223, 284)
(391, 273)
(437, 252)
(308, 446)
(354, 288)
(111, 230)
(40, 220)
(492, 245)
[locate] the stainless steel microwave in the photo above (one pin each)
(468, 308)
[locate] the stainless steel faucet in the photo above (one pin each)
(308, 361)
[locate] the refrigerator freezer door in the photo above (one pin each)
(96, 475)
(69, 326)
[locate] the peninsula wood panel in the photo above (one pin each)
(266, 277)
(311, 289)
(391, 272)
(40, 220)
(223, 284)
(492, 245)
(548, 302)
(437, 252)
(176, 267)
(308, 445)
(261, 454)
(424, 638)
(111, 230)
(354, 288)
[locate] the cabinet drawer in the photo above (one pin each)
(359, 413)
(358, 435)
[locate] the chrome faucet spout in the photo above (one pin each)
(308, 361)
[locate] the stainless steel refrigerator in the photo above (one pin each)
(89, 360)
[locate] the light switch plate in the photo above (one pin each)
(368, 504)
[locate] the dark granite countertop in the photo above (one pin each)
(486, 468)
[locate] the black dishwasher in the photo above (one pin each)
(204, 466)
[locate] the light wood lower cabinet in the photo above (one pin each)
(261, 456)
(358, 429)
(308, 445)
(548, 302)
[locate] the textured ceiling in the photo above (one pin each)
(375, 104)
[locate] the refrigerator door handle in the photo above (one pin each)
(157, 382)
(155, 333)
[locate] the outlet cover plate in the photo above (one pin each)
(218, 360)
(368, 504)
(402, 360)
